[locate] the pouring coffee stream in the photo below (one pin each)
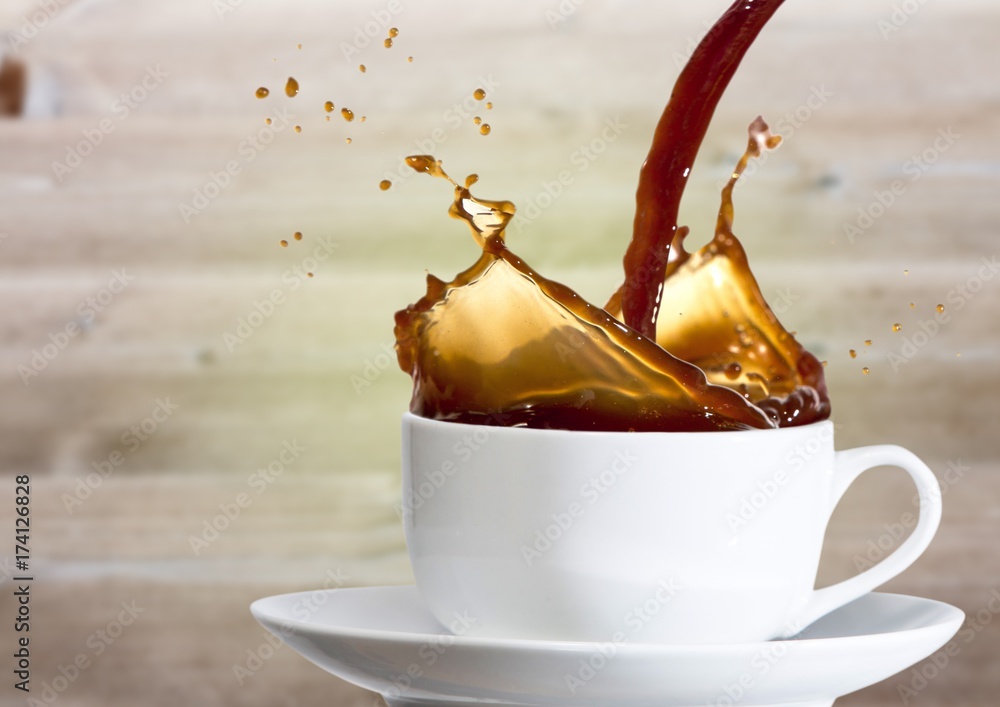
(501, 344)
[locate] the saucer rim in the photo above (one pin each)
(952, 615)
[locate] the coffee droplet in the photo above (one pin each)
(824, 363)
(263, 92)
(854, 354)
(298, 128)
(477, 120)
(479, 94)
(298, 46)
(485, 129)
(868, 342)
(393, 32)
(347, 113)
(267, 121)
(348, 140)
(906, 272)
(409, 59)
(387, 43)
(328, 106)
(384, 185)
(298, 235)
(940, 309)
(309, 274)
(291, 88)
(866, 370)
(364, 118)
(913, 305)
(489, 105)
(362, 68)
(897, 327)
(284, 243)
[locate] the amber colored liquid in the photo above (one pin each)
(502, 345)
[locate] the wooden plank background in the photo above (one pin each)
(890, 81)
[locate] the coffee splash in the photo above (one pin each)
(501, 344)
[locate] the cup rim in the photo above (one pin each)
(412, 419)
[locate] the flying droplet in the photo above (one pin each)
(347, 113)
(906, 272)
(866, 370)
(485, 128)
(393, 32)
(263, 92)
(913, 305)
(479, 94)
(328, 106)
(267, 121)
(387, 43)
(298, 46)
(489, 105)
(868, 342)
(854, 354)
(940, 309)
(477, 120)
(284, 243)
(362, 68)
(409, 59)
(384, 185)
(298, 235)
(897, 327)
(291, 87)
(348, 140)
(298, 128)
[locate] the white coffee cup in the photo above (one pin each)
(654, 537)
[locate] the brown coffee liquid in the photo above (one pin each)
(502, 345)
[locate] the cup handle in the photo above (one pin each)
(848, 466)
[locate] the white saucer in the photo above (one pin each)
(382, 639)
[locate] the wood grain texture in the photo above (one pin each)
(862, 105)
